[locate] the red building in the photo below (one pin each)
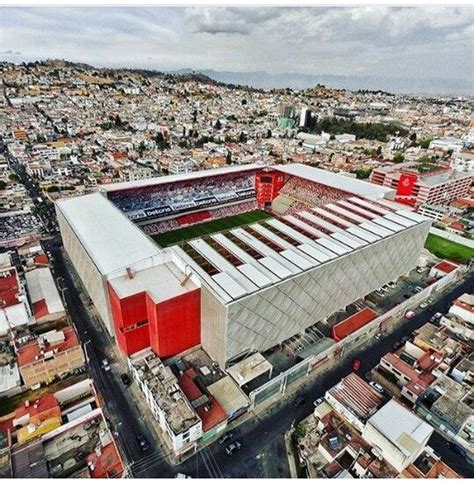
(154, 308)
(267, 186)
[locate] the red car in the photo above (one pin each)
(356, 364)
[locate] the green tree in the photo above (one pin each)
(14, 177)
(398, 157)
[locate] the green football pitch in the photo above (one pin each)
(174, 237)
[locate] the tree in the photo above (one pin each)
(425, 143)
(13, 177)
(379, 151)
(398, 157)
(141, 148)
(362, 172)
(218, 124)
(52, 188)
(269, 134)
(228, 158)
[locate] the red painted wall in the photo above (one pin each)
(268, 185)
(127, 313)
(175, 324)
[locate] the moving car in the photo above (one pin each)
(105, 364)
(233, 447)
(126, 380)
(226, 437)
(143, 443)
(356, 364)
(299, 401)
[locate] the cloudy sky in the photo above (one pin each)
(419, 42)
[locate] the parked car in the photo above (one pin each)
(105, 364)
(299, 401)
(377, 387)
(378, 336)
(226, 437)
(126, 380)
(430, 300)
(409, 315)
(356, 364)
(396, 346)
(404, 339)
(419, 289)
(424, 305)
(318, 402)
(457, 448)
(384, 288)
(142, 442)
(233, 447)
(392, 284)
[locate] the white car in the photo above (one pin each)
(424, 305)
(105, 364)
(377, 387)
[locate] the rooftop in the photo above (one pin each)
(164, 387)
(46, 345)
(357, 396)
(43, 293)
(179, 177)
(111, 240)
(408, 433)
(250, 368)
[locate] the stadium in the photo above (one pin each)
(237, 259)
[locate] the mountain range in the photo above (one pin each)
(264, 80)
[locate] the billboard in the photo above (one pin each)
(406, 184)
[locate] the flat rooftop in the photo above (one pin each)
(111, 240)
(164, 387)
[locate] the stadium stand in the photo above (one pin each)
(310, 192)
(199, 217)
(165, 199)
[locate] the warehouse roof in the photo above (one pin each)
(335, 180)
(108, 236)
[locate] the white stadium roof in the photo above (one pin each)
(336, 181)
(119, 186)
(243, 260)
(109, 237)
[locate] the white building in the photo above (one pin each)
(398, 434)
(170, 407)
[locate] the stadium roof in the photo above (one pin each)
(336, 181)
(178, 177)
(109, 237)
(243, 260)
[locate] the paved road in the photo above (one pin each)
(123, 414)
(263, 454)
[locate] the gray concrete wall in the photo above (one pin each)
(93, 281)
(267, 318)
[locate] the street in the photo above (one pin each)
(263, 453)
